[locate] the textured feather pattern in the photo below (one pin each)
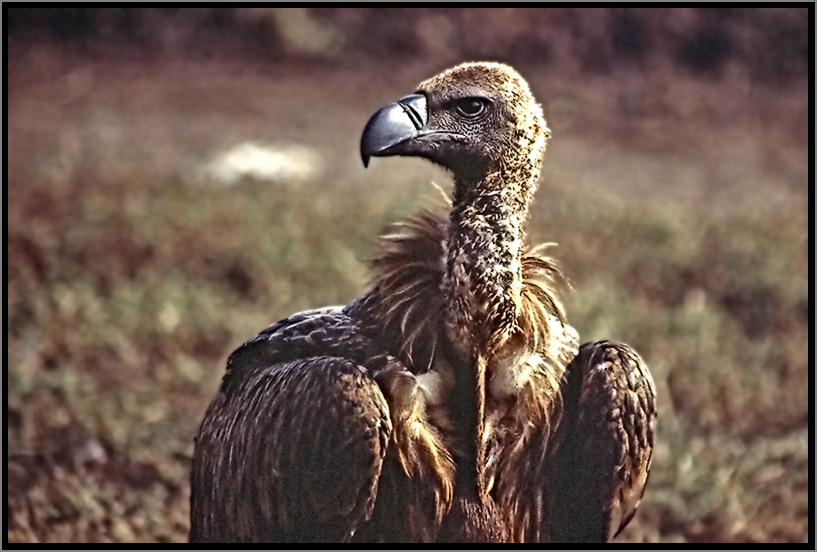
(407, 301)
(318, 484)
(451, 402)
(601, 470)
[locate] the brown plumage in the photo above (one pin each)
(451, 402)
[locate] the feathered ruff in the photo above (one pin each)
(409, 305)
(407, 272)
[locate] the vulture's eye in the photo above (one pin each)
(471, 107)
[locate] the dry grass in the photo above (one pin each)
(680, 208)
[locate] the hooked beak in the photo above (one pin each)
(393, 125)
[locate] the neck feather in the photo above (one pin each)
(483, 279)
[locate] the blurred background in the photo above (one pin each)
(181, 178)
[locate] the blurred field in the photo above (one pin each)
(680, 206)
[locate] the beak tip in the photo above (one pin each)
(392, 125)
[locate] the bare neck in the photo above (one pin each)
(483, 278)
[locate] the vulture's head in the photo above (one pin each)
(475, 120)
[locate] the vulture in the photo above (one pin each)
(451, 402)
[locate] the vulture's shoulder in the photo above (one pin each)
(325, 332)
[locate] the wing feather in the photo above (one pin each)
(601, 468)
(291, 452)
